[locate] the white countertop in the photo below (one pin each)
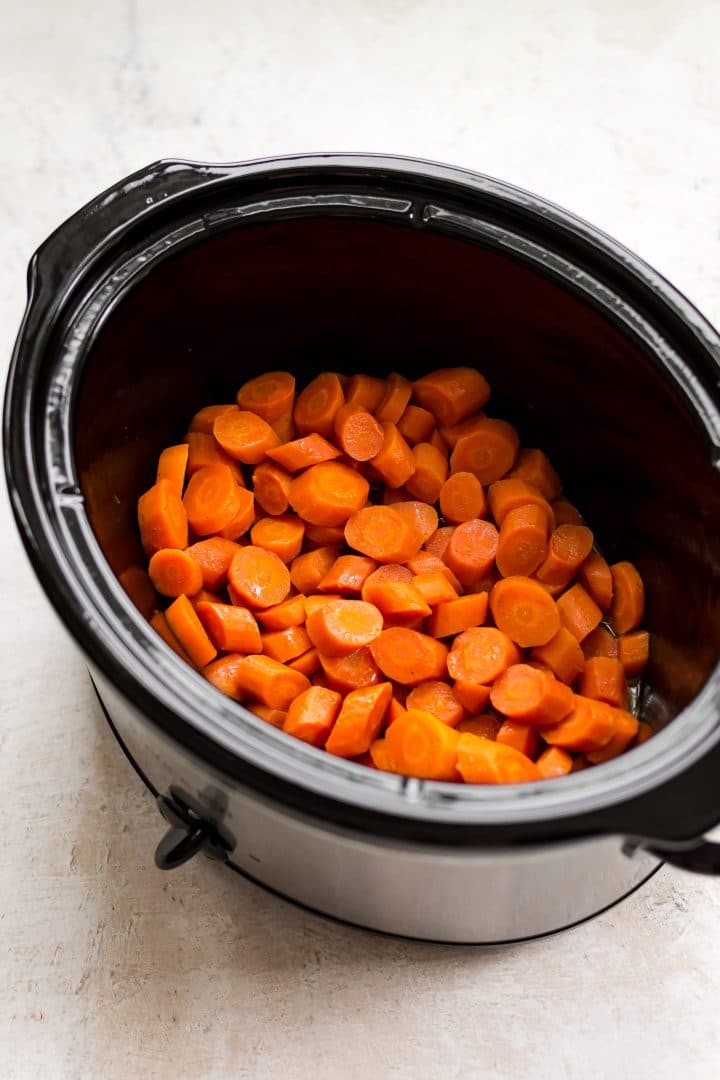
(111, 969)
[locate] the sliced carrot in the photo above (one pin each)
(533, 697)
(408, 657)
(390, 572)
(275, 717)
(578, 612)
(308, 663)
(554, 762)
(562, 655)
(259, 577)
(347, 575)
(473, 696)
(244, 435)
(308, 570)
(438, 442)
(488, 452)
(269, 395)
(486, 726)
(628, 602)
(420, 745)
(604, 680)
(426, 563)
(589, 727)
(212, 499)
(633, 651)
(437, 698)
(484, 761)
(471, 550)
(510, 494)
(243, 519)
(230, 628)
(566, 513)
(290, 612)
(284, 427)
(380, 755)
(271, 484)
(462, 498)
(272, 683)
(311, 715)
(204, 419)
(596, 578)
(162, 519)
(138, 586)
(481, 654)
(342, 626)
(452, 433)
(452, 394)
(172, 465)
(420, 517)
(399, 602)
(325, 535)
(365, 390)
(644, 733)
(213, 556)
(435, 589)
(328, 494)
(301, 453)
(569, 547)
(282, 535)
(395, 399)
(381, 533)
(522, 737)
(438, 542)
(600, 642)
(626, 729)
(455, 616)
(431, 469)
(357, 432)
(522, 543)
(359, 720)
(161, 626)
(187, 628)
(174, 572)
(206, 596)
(534, 467)
(394, 461)
(223, 674)
(285, 645)
(416, 425)
(524, 611)
(204, 449)
(314, 602)
(395, 709)
(317, 404)
(346, 673)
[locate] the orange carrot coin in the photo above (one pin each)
(317, 404)
(524, 611)
(342, 626)
(328, 494)
(259, 577)
(311, 715)
(462, 498)
(409, 657)
(359, 720)
(269, 395)
(452, 394)
(244, 435)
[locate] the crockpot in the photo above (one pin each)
(170, 289)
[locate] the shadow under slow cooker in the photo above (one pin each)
(338, 293)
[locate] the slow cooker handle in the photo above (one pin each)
(189, 834)
(702, 859)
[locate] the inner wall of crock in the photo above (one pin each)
(351, 295)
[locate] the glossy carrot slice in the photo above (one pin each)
(626, 730)
(359, 721)
(634, 651)
(568, 549)
(244, 435)
(286, 645)
(462, 498)
(317, 405)
(481, 654)
(187, 628)
(174, 572)
(223, 674)
(270, 395)
(381, 533)
(439, 699)
(420, 745)
(596, 578)
(342, 626)
(562, 655)
(213, 556)
(346, 673)
(274, 684)
(524, 611)
(416, 425)
(308, 570)
(484, 761)
(486, 726)
(452, 394)
(172, 465)
(271, 484)
(521, 737)
(531, 696)
(471, 550)
(488, 452)
(429, 475)
(365, 390)
(230, 628)
(408, 657)
(357, 432)
(455, 616)
(395, 399)
(348, 575)
(604, 680)
(290, 612)
(162, 519)
(628, 602)
(394, 461)
(259, 577)
(311, 715)
(301, 453)
(554, 762)
(533, 467)
(578, 612)
(590, 726)
(328, 494)
(283, 535)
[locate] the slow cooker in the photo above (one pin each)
(185, 279)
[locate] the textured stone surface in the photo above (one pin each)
(107, 967)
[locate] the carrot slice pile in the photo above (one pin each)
(379, 569)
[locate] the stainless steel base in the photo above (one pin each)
(428, 892)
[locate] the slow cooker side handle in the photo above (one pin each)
(702, 859)
(188, 835)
